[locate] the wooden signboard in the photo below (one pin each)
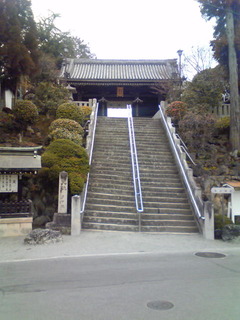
(8, 183)
(120, 92)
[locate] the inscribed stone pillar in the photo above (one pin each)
(63, 192)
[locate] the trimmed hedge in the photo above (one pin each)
(68, 124)
(25, 112)
(70, 111)
(65, 155)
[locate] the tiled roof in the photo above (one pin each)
(119, 70)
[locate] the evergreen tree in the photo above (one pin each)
(57, 44)
(18, 42)
(227, 51)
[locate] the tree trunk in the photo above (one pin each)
(233, 76)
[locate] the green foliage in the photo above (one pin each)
(70, 111)
(58, 44)
(65, 155)
(223, 124)
(220, 221)
(86, 111)
(67, 124)
(25, 112)
(49, 96)
(76, 182)
(176, 110)
(197, 130)
(6, 121)
(62, 133)
(66, 129)
(19, 50)
(205, 90)
(217, 10)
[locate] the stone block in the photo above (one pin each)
(230, 232)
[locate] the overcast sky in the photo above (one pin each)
(131, 29)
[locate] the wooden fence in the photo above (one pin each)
(14, 209)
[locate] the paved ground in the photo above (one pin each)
(105, 243)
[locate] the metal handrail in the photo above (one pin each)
(84, 193)
(185, 178)
(135, 167)
(185, 149)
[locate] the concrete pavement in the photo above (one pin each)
(109, 243)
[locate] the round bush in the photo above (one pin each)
(62, 133)
(70, 111)
(65, 155)
(25, 112)
(67, 124)
(176, 109)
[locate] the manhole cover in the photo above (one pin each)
(160, 305)
(210, 255)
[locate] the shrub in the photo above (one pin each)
(70, 111)
(65, 155)
(62, 133)
(220, 221)
(86, 111)
(49, 96)
(25, 112)
(6, 121)
(223, 125)
(176, 110)
(76, 182)
(197, 130)
(67, 124)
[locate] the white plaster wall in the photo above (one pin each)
(235, 204)
(8, 99)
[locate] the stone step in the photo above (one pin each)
(115, 170)
(166, 210)
(168, 223)
(110, 227)
(166, 199)
(110, 208)
(117, 154)
(167, 183)
(110, 196)
(165, 204)
(111, 166)
(161, 175)
(149, 189)
(110, 220)
(114, 191)
(162, 216)
(124, 215)
(130, 203)
(170, 229)
(122, 185)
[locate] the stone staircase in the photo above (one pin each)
(166, 207)
(110, 202)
